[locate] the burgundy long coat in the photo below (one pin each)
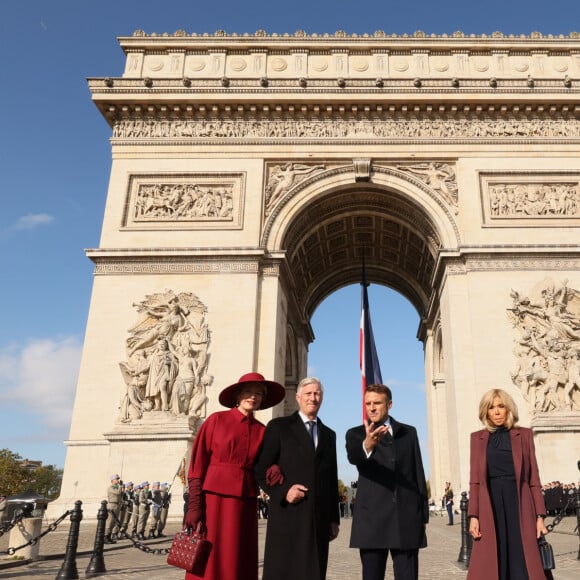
(483, 564)
(223, 456)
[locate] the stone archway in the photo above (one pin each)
(326, 222)
(250, 172)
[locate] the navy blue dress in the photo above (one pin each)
(504, 500)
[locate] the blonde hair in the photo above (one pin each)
(486, 403)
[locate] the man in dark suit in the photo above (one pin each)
(297, 468)
(391, 501)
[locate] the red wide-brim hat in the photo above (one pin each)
(275, 392)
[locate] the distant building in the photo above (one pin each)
(30, 464)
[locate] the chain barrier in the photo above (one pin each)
(562, 514)
(7, 526)
(136, 543)
(33, 541)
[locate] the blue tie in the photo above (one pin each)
(310, 428)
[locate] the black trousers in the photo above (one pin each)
(405, 564)
(506, 515)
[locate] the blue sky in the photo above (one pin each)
(54, 168)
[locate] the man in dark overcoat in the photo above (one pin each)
(297, 468)
(391, 502)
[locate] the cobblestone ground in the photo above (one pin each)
(122, 561)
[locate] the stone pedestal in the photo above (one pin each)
(149, 449)
(153, 449)
(23, 532)
(557, 436)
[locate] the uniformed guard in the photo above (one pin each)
(113, 500)
(165, 501)
(157, 502)
(135, 516)
(144, 508)
(126, 510)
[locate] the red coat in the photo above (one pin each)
(483, 564)
(223, 456)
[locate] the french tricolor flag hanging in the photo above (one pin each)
(369, 360)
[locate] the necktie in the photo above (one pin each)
(310, 428)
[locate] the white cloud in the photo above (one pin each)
(40, 377)
(32, 221)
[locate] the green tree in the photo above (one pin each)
(12, 474)
(46, 481)
(342, 489)
(16, 478)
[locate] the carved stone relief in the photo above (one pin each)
(547, 346)
(463, 53)
(530, 198)
(438, 176)
(167, 358)
(320, 130)
(282, 178)
(190, 200)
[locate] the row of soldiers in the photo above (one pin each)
(558, 497)
(136, 511)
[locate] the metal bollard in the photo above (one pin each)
(22, 533)
(97, 564)
(68, 570)
(465, 550)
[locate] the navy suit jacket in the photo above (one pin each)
(391, 507)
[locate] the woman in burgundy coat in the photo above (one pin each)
(222, 490)
(506, 506)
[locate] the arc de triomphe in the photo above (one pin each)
(251, 172)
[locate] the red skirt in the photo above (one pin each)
(232, 529)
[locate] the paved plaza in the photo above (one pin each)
(122, 561)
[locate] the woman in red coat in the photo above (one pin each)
(506, 506)
(222, 489)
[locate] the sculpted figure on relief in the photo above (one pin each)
(534, 200)
(283, 177)
(438, 176)
(167, 358)
(547, 346)
(182, 202)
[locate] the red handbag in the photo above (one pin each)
(190, 550)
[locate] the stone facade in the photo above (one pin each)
(250, 174)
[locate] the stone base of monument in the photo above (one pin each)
(149, 449)
(153, 426)
(557, 435)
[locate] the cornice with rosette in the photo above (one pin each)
(183, 75)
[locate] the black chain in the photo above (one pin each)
(136, 543)
(7, 526)
(34, 541)
(562, 513)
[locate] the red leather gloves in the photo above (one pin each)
(274, 476)
(194, 508)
